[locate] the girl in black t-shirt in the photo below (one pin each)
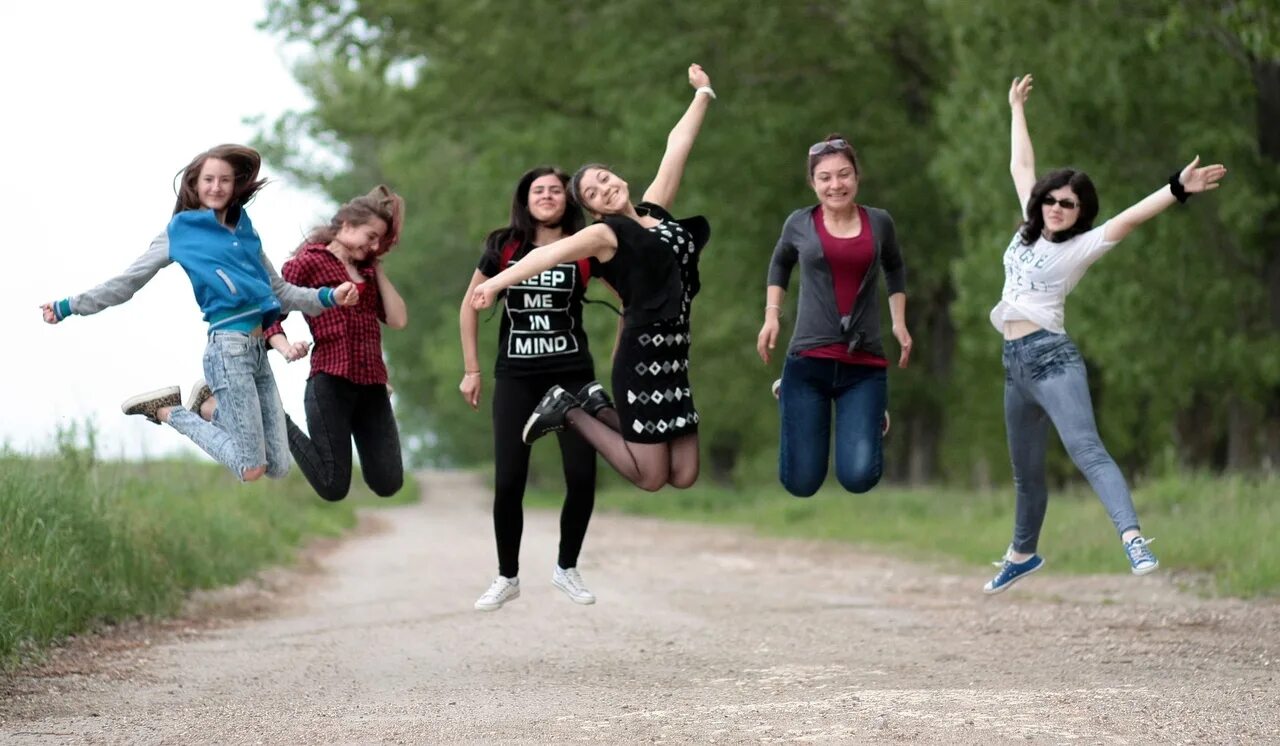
(541, 343)
(651, 260)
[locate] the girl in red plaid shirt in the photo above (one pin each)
(347, 396)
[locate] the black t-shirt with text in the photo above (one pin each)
(541, 329)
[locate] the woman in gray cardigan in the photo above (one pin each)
(836, 355)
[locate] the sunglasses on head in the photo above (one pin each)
(1066, 204)
(828, 146)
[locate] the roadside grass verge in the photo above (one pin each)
(85, 542)
(1224, 527)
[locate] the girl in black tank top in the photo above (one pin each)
(651, 259)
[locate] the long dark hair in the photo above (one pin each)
(522, 227)
(245, 162)
(1080, 183)
(381, 203)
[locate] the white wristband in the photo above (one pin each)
(707, 90)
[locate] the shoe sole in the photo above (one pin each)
(168, 392)
(1005, 587)
(528, 425)
(495, 607)
(569, 593)
(1146, 570)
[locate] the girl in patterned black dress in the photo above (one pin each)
(651, 260)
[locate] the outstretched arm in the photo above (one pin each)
(1194, 179)
(597, 240)
(1022, 159)
(665, 185)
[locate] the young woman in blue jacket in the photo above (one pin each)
(211, 237)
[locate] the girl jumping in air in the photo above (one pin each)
(1045, 377)
(347, 396)
(836, 356)
(651, 259)
(238, 290)
(541, 344)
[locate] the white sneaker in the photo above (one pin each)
(571, 583)
(502, 591)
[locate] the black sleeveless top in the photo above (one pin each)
(644, 270)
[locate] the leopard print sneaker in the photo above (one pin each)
(147, 404)
(200, 393)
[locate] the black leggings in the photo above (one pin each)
(337, 411)
(513, 402)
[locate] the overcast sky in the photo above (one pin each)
(103, 103)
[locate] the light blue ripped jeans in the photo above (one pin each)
(1045, 381)
(248, 427)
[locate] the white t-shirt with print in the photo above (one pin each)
(1038, 277)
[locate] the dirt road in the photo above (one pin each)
(700, 635)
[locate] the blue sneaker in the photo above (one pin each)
(1141, 560)
(1011, 572)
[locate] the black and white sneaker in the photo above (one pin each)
(548, 416)
(594, 398)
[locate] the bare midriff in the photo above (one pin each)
(1020, 328)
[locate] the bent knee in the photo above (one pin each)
(683, 481)
(652, 484)
(253, 473)
(801, 488)
(859, 483)
(386, 488)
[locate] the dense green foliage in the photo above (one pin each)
(450, 102)
(84, 542)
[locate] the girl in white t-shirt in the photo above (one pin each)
(1045, 380)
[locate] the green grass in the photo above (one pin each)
(84, 542)
(1224, 527)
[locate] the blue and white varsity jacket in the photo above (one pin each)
(231, 277)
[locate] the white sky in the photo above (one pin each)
(103, 103)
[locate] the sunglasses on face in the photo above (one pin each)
(828, 146)
(1066, 204)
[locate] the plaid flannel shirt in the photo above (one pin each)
(348, 339)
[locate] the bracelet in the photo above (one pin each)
(469, 373)
(705, 89)
(767, 307)
(1180, 192)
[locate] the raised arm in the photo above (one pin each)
(665, 185)
(1022, 159)
(597, 240)
(1193, 179)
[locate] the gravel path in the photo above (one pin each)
(701, 635)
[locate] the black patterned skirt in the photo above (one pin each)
(651, 383)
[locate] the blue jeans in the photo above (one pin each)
(860, 394)
(1045, 382)
(248, 427)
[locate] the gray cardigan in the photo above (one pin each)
(818, 321)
